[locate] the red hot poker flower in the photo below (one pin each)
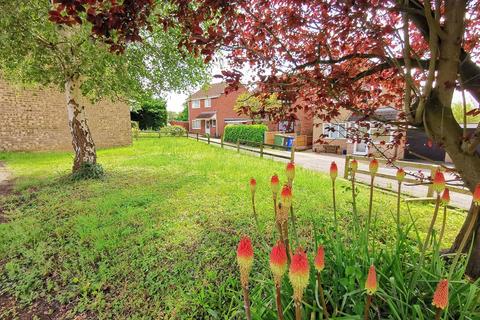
(245, 258)
(438, 181)
(253, 185)
(333, 171)
(290, 171)
(286, 196)
(446, 196)
(354, 165)
(320, 259)
(299, 273)
(275, 184)
(476, 195)
(400, 174)
(278, 261)
(440, 297)
(373, 167)
(371, 283)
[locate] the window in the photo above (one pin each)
(335, 130)
(196, 124)
(208, 103)
(195, 104)
(214, 123)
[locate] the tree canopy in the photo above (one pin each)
(151, 114)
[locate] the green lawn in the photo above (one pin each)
(157, 237)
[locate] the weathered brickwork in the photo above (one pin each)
(36, 119)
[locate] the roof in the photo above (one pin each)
(213, 90)
(206, 115)
(385, 114)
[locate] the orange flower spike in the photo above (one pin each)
(438, 181)
(371, 283)
(400, 175)
(320, 259)
(476, 195)
(245, 258)
(354, 165)
(275, 184)
(286, 196)
(333, 171)
(445, 197)
(440, 297)
(278, 261)
(253, 185)
(299, 273)
(290, 171)
(373, 167)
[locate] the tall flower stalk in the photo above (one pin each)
(278, 265)
(371, 287)
(400, 176)
(438, 186)
(282, 216)
(298, 275)
(275, 187)
(445, 201)
(353, 171)
(253, 188)
(245, 262)
(440, 298)
(290, 172)
(333, 176)
(319, 266)
(373, 168)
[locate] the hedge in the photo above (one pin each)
(250, 132)
(174, 131)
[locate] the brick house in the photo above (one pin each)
(210, 110)
(36, 120)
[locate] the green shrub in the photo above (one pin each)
(173, 131)
(250, 132)
(88, 171)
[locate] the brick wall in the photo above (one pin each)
(36, 119)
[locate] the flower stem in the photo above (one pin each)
(398, 207)
(367, 307)
(334, 206)
(432, 224)
(442, 231)
(279, 300)
(246, 302)
(255, 212)
(322, 296)
(298, 309)
(354, 203)
(438, 313)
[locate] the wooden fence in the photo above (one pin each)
(431, 168)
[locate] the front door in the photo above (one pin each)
(360, 148)
(207, 127)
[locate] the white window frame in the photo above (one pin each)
(196, 104)
(209, 102)
(331, 134)
(199, 124)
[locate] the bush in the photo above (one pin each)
(173, 131)
(250, 132)
(88, 171)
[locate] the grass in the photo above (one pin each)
(156, 237)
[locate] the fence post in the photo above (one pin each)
(221, 141)
(208, 137)
(238, 145)
(347, 167)
(433, 170)
(197, 136)
(186, 134)
(261, 150)
(292, 151)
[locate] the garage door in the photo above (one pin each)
(417, 142)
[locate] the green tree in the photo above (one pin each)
(255, 107)
(151, 114)
(183, 116)
(36, 51)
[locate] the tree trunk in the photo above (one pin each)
(82, 140)
(442, 127)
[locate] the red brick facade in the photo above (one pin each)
(222, 105)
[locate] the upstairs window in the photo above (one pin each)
(335, 130)
(208, 103)
(195, 104)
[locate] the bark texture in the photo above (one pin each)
(82, 140)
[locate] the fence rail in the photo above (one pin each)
(405, 164)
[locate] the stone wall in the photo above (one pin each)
(36, 120)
